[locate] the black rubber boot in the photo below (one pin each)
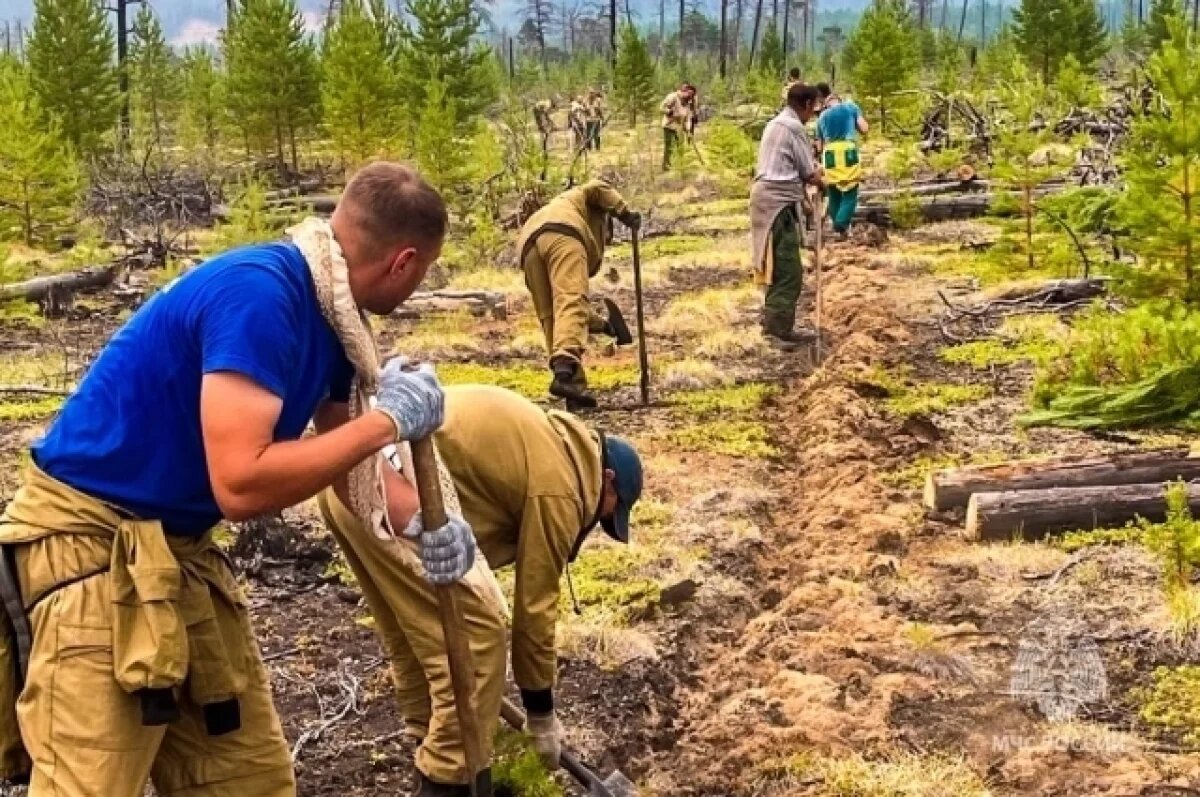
(430, 788)
(780, 334)
(570, 384)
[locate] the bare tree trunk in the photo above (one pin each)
(962, 21)
(787, 14)
(662, 26)
(945, 14)
(758, 9)
(123, 70)
(612, 31)
(739, 9)
(724, 47)
(982, 23)
(682, 48)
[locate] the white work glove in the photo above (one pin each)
(412, 398)
(548, 735)
(447, 553)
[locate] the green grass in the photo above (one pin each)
(606, 579)
(908, 397)
(1172, 702)
(719, 400)
(30, 410)
(897, 775)
(1020, 338)
(718, 207)
(666, 246)
(531, 381)
(731, 438)
(1072, 541)
(517, 766)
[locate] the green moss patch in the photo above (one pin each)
(666, 246)
(907, 396)
(731, 438)
(31, 410)
(1072, 541)
(517, 767)
(531, 381)
(1172, 702)
(607, 578)
(720, 400)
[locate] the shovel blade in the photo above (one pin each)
(616, 785)
(617, 324)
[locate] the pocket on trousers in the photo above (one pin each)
(88, 708)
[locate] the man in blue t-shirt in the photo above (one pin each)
(838, 128)
(141, 660)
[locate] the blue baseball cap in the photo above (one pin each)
(622, 459)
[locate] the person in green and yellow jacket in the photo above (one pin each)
(838, 128)
(561, 247)
(533, 484)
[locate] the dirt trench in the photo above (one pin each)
(827, 669)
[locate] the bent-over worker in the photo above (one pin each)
(142, 662)
(532, 484)
(838, 128)
(678, 112)
(561, 247)
(785, 166)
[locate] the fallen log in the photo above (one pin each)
(937, 188)
(41, 288)
(1059, 291)
(944, 208)
(953, 488)
(1032, 514)
(477, 303)
(317, 203)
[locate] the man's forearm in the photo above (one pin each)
(286, 473)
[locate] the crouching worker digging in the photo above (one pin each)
(141, 661)
(533, 485)
(562, 246)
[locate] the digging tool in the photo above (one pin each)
(458, 650)
(818, 240)
(643, 358)
(616, 323)
(615, 785)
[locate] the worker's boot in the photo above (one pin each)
(779, 333)
(570, 384)
(431, 788)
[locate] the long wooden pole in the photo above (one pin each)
(458, 648)
(643, 356)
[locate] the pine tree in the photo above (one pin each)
(358, 88)
(1048, 30)
(1027, 154)
(156, 84)
(437, 49)
(882, 55)
(1076, 88)
(1161, 203)
(203, 101)
(633, 79)
(70, 56)
(771, 58)
(273, 87)
(39, 175)
(1156, 31)
(440, 158)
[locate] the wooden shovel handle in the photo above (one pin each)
(458, 647)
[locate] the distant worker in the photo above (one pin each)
(838, 128)
(785, 167)
(595, 118)
(533, 485)
(545, 125)
(561, 247)
(577, 116)
(792, 79)
(678, 120)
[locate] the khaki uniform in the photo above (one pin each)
(117, 607)
(562, 246)
(676, 122)
(529, 483)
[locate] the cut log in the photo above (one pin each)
(937, 188)
(951, 489)
(944, 208)
(477, 303)
(1032, 514)
(1056, 291)
(41, 288)
(319, 203)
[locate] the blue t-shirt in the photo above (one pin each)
(130, 435)
(839, 122)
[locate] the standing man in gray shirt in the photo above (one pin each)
(785, 166)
